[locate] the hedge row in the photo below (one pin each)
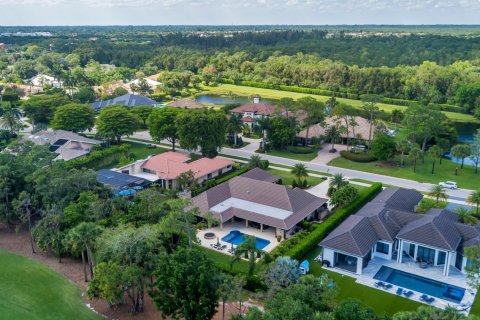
(221, 179)
(307, 241)
(301, 150)
(358, 157)
(341, 94)
(100, 159)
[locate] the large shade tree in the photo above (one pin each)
(161, 125)
(74, 117)
(114, 122)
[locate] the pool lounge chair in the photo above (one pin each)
(388, 286)
(399, 291)
(379, 284)
(464, 306)
(408, 294)
(426, 298)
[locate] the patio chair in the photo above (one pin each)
(223, 247)
(399, 291)
(379, 284)
(388, 286)
(408, 294)
(430, 300)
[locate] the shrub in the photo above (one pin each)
(301, 150)
(357, 157)
(303, 242)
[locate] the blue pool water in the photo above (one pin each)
(236, 237)
(420, 284)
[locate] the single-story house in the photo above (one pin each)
(121, 182)
(186, 103)
(129, 100)
(41, 80)
(152, 83)
(166, 167)
(260, 202)
(361, 130)
(68, 145)
(388, 228)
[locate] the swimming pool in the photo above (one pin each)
(420, 284)
(236, 237)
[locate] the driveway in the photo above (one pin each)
(324, 156)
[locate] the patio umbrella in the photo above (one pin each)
(218, 240)
(232, 246)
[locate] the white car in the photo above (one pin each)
(449, 184)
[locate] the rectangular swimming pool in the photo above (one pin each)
(420, 284)
(236, 237)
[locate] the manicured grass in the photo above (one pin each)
(30, 291)
(140, 151)
(466, 177)
(287, 177)
(225, 89)
(295, 156)
(382, 302)
(224, 261)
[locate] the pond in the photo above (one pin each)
(465, 135)
(214, 99)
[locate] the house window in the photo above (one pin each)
(459, 261)
(441, 257)
(425, 254)
(148, 171)
(382, 247)
(209, 176)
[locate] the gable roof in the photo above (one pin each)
(186, 103)
(397, 198)
(130, 100)
(262, 175)
(256, 108)
(295, 204)
(316, 130)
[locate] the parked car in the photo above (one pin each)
(449, 184)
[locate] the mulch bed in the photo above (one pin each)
(388, 164)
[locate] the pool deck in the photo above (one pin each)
(268, 234)
(434, 273)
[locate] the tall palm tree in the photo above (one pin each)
(461, 151)
(300, 171)
(436, 152)
(263, 124)
(465, 215)
(334, 133)
(474, 198)
(396, 116)
(403, 146)
(438, 192)
(10, 119)
(81, 239)
(235, 125)
(249, 250)
(255, 161)
(372, 111)
(353, 124)
(336, 181)
(414, 154)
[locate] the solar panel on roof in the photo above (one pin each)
(53, 148)
(60, 142)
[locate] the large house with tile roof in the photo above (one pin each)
(250, 112)
(165, 168)
(129, 100)
(388, 228)
(254, 198)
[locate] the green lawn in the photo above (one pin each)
(30, 290)
(466, 177)
(287, 177)
(381, 301)
(140, 151)
(225, 89)
(295, 156)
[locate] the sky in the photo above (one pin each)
(235, 12)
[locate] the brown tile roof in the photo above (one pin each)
(297, 201)
(317, 130)
(169, 165)
(248, 119)
(262, 175)
(186, 103)
(256, 108)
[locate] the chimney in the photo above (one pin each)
(256, 98)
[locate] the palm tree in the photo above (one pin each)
(372, 110)
(414, 154)
(465, 215)
(10, 119)
(353, 124)
(263, 124)
(334, 133)
(438, 192)
(436, 152)
(235, 125)
(144, 87)
(81, 239)
(474, 198)
(396, 116)
(336, 181)
(403, 146)
(461, 151)
(300, 171)
(255, 161)
(246, 130)
(248, 249)
(287, 104)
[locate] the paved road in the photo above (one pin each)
(404, 183)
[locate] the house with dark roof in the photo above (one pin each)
(129, 100)
(388, 228)
(254, 198)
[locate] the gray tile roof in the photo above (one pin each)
(297, 201)
(395, 198)
(262, 175)
(130, 100)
